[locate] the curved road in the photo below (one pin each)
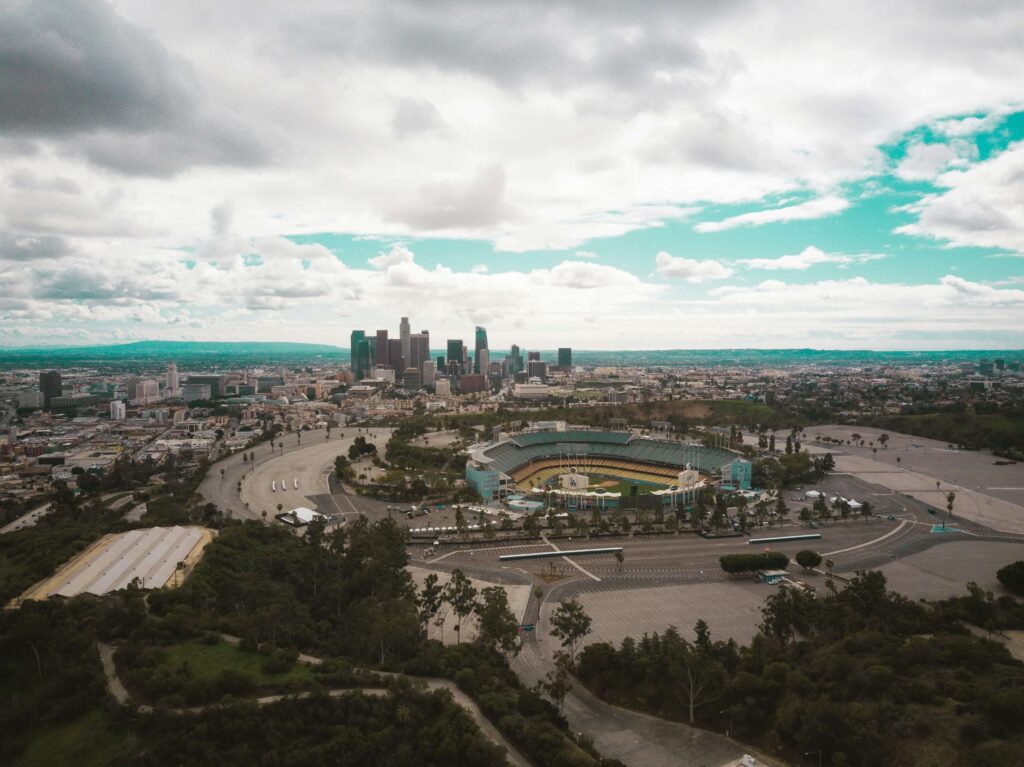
(309, 459)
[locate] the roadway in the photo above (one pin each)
(309, 459)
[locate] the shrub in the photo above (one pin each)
(1012, 576)
(808, 559)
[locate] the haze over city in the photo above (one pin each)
(676, 175)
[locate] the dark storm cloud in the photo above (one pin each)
(73, 70)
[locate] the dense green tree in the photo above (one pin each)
(496, 625)
(808, 559)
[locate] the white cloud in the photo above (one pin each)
(691, 270)
(380, 121)
(585, 254)
(817, 208)
(923, 162)
(961, 127)
(808, 257)
(981, 206)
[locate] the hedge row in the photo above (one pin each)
(751, 563)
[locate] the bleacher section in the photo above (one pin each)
(519, 456)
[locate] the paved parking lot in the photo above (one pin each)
(943, 571)
(731, 609)
(969, 469)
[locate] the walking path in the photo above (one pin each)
(122, 696)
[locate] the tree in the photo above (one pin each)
(703, 677)
(555, 683)
(496, 625)
(619, 558)
(430, 599)
(808, 559)
(461, 594)
(780, 506)
(570, 623)
(1012, 576)
(883, 440)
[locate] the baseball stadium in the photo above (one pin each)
(582, 468)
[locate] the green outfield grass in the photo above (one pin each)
(621, 485)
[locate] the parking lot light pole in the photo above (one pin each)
(818, 752)
(728, 733)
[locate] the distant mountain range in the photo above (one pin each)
(201, 353)
(208, 354)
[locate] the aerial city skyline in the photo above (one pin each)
(456, 383)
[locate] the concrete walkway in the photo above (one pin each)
(492, 733)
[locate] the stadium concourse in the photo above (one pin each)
(535, 461)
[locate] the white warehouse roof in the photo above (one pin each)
(151, 556)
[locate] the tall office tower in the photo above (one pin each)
(429, 372)
(424, 351)
(481, 343)
(454, 355)
(382, 356)
(537, 369)
(131, 389)
(172, 380)
(564, 357)
(404, 333)
(483, 360)
(354, 339)
(532, 356)
(395, 358)
(440, 362)
(442, 387)
(515, 361)
(364, 359)
(416, 356)
(118, 412)
(50, 386)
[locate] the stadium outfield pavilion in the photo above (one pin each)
(583, 468)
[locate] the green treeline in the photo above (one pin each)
(408, 729)
(344, 596)
(865, 675)
(341, 593)
(1001, 432)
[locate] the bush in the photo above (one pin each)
(808, 559)
(1012, 576)
(736, 564)
(280, 661)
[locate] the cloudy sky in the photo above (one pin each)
(602, 175)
